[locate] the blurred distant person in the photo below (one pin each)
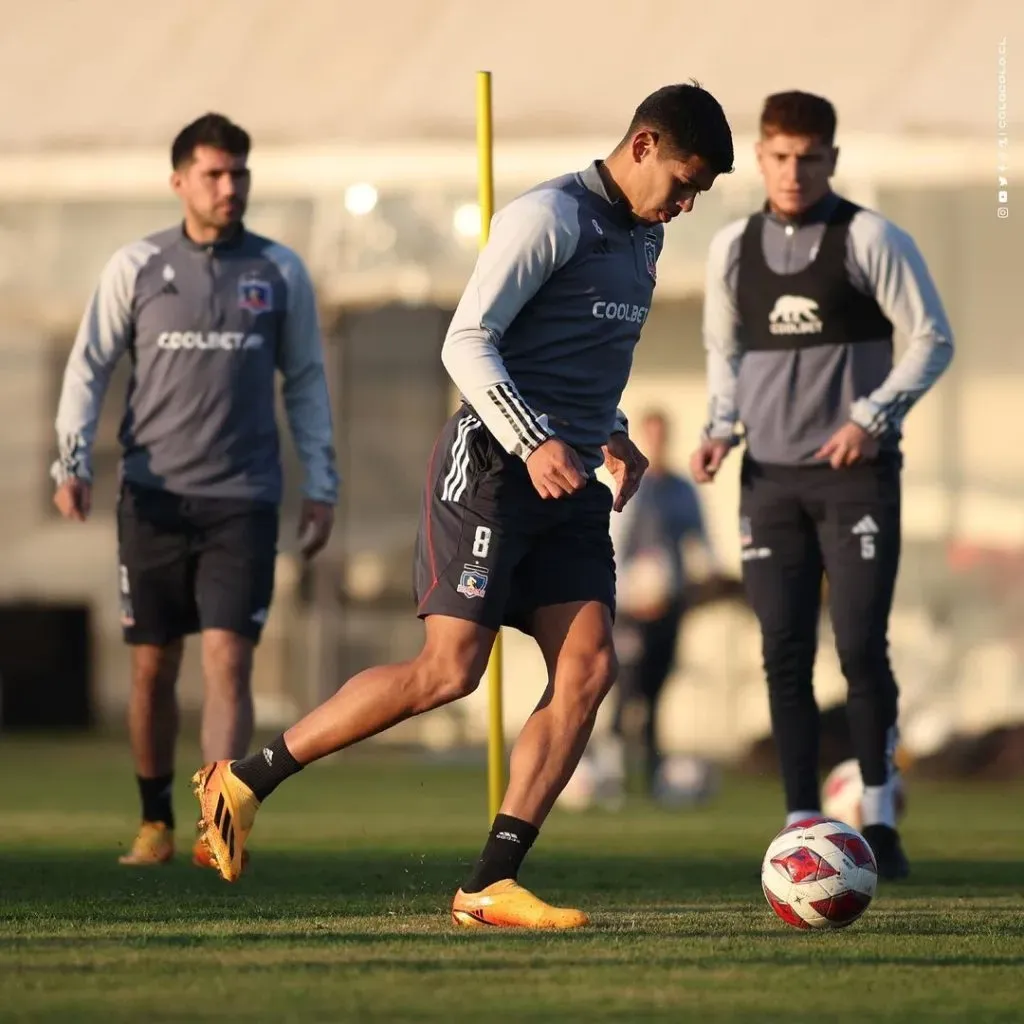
(515, 523)
(650, 540)
(207, 313)
(803, 299)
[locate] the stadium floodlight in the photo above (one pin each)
(467, 221)
(360, 199)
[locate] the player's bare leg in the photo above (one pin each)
(228, 718)
(576, 641)
(450, 666)
(227, 703)
(153, 707)
(153, 730)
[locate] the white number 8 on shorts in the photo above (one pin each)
(482, 542)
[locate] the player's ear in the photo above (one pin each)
(644, 142)
(835, 159)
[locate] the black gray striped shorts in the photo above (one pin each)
(489, 549)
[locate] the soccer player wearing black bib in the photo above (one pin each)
(802, 302)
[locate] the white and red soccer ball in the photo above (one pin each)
(843, 789)
(819, 873)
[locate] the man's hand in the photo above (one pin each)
(73, 499)
(555, 469)
(848, 445)
(708, 458)
(627, 465)
(315, 524)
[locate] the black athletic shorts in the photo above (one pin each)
(189, 564)
(491, 550)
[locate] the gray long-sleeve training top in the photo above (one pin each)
(206, 327)
(542, 341)
(807, 364)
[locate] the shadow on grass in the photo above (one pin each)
(502, 952)
(91, 887)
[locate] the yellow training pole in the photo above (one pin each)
(485, 191)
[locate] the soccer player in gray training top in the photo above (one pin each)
(801, 305)
(206, 312)
(515, 525)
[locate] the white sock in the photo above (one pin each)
(878, 805)
(794, 816)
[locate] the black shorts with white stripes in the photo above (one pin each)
(491, 550)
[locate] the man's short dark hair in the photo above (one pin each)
(214, 130)
(691, 121)
(799, 113)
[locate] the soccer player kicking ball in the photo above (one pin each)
(801, 305)
(515, 525)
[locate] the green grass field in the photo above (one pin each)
(343, 915)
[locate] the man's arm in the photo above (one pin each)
(104, 334)
(530, 239)
(307, 400)
(896, 274)
(722, 334)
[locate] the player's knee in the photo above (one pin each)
(588, 676)
(156, 667)
(865, 664)
(788, 659)
(443, 676)
(227, 662)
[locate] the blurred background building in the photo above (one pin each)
(364, 161)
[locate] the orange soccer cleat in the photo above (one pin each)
(154, 844)
(506, 904)
(227, 811)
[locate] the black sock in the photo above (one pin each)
(156, 799)
(265, 770)
(509, 842)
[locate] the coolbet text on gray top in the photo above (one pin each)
(542, 341)
(205, 327)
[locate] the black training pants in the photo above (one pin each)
(797, 523)
(647, 653)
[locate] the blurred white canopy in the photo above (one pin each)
(117, 72)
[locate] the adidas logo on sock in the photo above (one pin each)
(866, 525)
